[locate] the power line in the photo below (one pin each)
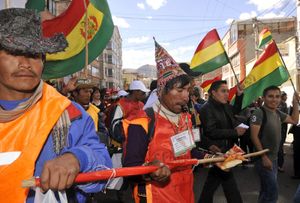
(170, 19)
(273, 7)
(228, 6)
(139, 47)
(291, 11)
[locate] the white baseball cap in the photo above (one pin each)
(138, 85)
(122, 93)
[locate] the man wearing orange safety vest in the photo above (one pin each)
(42, 133)
(170, 138)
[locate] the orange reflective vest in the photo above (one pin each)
(130, 109)
(28, 134)
(180, 186)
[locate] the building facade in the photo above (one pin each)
(240, 43)
(130, 75)
(110, 62)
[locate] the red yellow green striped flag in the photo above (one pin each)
(264, 37)
(72, 24)
(207, 83)
(210, 54)
(268, 70)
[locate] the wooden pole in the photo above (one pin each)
(136, 170)
(236, 78)
(220, 159)
(7, 4)
(86, 41)
(285, 67)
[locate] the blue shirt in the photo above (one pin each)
(10, 105)
(83, 142)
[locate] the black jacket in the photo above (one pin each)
(218, 123)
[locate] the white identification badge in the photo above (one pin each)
(181, 143)
(196, 134)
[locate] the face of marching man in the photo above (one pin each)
(19, 75)
(221, 94)
(272, 99)
(176, 98)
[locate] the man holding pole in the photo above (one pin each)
(42, 133)
(220, 131)
(170, 137)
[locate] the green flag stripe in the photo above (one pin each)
(212, 64)
(35, 4)
(265, 41)
(277, 77)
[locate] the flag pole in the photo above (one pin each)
(285, 67)
(86, 40)
(231, 66)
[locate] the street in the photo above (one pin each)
(248, 181)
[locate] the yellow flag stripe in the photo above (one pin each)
(75, 39)
(264, 35)
(207, 54)
(263, 69)
(205, 89)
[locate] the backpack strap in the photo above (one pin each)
(150, 113)
(264, 121)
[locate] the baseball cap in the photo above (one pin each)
(138, 85)
(122, 93)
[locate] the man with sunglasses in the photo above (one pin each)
(220, 131)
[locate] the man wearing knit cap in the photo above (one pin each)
(163, 134)
(42, 133)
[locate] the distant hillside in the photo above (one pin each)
(149, 71)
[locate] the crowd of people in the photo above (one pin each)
(57, 134)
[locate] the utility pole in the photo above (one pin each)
(7, 4)
(255, 30)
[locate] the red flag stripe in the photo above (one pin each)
(233, 90)
(210, 38)
(208, 82)
(66, 21)
(264, 31)
(269, 51)
(232, 93)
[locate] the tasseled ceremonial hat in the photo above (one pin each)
(167, 68)
(21, 31)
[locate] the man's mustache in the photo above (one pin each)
(28, 73)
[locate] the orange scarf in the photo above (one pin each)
(28, 134)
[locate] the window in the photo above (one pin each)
(110, 85)
(233, 34)
(109, 45)
(110, 72)
(51, 7)
(95, 71)
(110, 59)
(235, 60)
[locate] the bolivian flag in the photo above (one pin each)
(207, 83)
(268, 70)
(72, 23)
(264, 37)
(210, 54)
